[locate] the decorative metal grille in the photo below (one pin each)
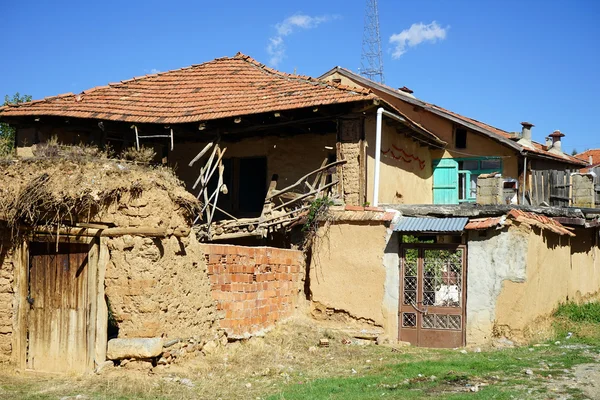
(411, 257)
(442, 278)
(442, 321)
(409, 320)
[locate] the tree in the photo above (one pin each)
(7, 132)
(574, 152)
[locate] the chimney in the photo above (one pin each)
(526, 130)
(548, 142)
(591, 159)
(556, 143)
(406, 90)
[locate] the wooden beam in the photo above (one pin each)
(101, 307)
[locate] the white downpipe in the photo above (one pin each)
(380, 113)
(377, 157)
(524, 180)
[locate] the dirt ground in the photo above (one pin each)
(288, 363)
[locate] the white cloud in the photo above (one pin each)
(276, 45)
(417, 34)
(154, 71)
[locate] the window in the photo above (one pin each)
(460, 138)
(455, 180)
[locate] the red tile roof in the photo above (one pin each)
(585, 156)
(224, 87)
(489, 130)
(529, 218)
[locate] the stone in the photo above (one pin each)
(139, 365)
(210, 347)
(529, 372)
(119, 349)
(383, 339)
(187, 382)
(103, 366)
(162, 361)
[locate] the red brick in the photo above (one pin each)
(354, 208)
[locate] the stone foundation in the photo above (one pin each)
(7, 281)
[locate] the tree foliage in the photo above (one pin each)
(7, 132)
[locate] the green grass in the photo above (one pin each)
(589, 312)
(453, 372)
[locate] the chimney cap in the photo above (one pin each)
(527, 124)
(557, 134)
(406, 90)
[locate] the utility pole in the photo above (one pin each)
(371, 63)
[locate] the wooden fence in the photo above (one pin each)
(551, 187)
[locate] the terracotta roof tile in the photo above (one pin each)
(529, 218)
(489, 130)
(585, 156)
(224, 87)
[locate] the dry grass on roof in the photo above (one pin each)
(67, 184)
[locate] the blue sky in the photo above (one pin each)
(501, 62)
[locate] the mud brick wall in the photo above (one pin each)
(6, 300)
(253, 287)
(159, 287)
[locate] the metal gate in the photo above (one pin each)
(59, 307)
(432, 295)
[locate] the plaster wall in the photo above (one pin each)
(402, 181)
(520, 273)
(347, 272)
(290, 157)
(492, 259)
(477, 144)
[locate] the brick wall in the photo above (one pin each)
(253, 287)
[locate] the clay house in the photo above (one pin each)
(473, 147)
(449, 272)
(98, 250)
(208, 243)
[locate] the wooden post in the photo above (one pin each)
(101, 308)
(21, 272)
(93, 304)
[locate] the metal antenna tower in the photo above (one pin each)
(371, 63)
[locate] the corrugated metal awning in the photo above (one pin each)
(442, 225)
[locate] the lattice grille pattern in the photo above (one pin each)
(411, 257)
(442, 278)
(442, 321)
(409, 320)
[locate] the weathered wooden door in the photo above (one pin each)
(59, 313)
(432, 295)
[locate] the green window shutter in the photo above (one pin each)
(445, 181)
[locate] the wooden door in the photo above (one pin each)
(432, 296)
(59, 307)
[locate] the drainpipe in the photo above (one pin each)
(380, 113)
(524, 179)
(377, 157)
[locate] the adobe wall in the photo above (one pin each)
(289, 157)
(159, 287)
(253, 287)
(354, 272)
(7, 289)
(406, 167)
(521, 273)
(477, 144)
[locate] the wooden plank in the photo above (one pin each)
(93, 304)
(101, 308)
(19, 341)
